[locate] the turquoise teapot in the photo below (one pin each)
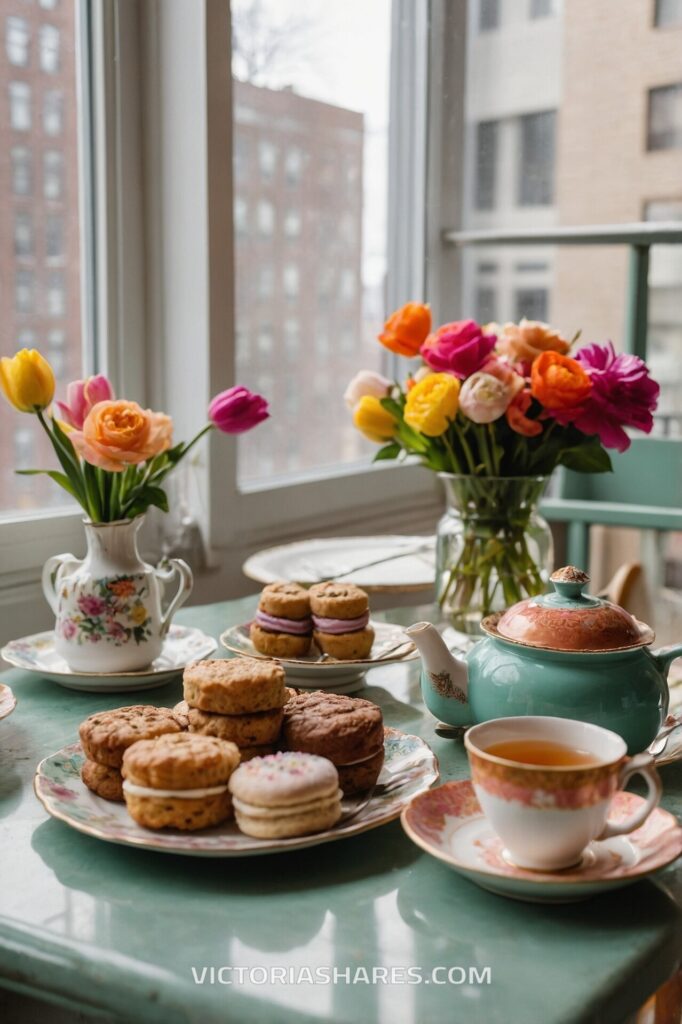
(565, 654)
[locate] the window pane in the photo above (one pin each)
(665, 117)
(668, 12)
(310, 181)
(536, 165)
(486, 164)
(39, 225)
(488, 14)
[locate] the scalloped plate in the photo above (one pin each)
(58, 786)
(8, 701)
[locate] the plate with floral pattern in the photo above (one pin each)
(8, 701)
(448, 823)
(409, 763)
(37, 654)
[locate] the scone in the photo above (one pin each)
(179, 781)
(285, 794)
(234, 686)
(283, 627)
(341, 620)
(347, 730)
(105, 737)
(258, 729)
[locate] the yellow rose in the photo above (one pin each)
(138, 614)
(432, 404)
(27, 380)
(372, 420)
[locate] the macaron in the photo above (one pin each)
(282, 627)
(340, 613)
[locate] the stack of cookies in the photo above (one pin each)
(349, 731)
(234, 699)
(105, 737)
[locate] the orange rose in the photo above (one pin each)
(525, 341)
(559, 382)
(120, 434)
(516, 415)
(406, 330)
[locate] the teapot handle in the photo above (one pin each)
(175, 566)
(52, 571)
(664, 656)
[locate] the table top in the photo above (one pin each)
(107, 928)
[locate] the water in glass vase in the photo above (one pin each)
(493, 547)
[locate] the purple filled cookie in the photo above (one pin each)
(283, 627)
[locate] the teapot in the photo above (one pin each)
(565, 654)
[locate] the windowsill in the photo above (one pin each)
(321, 474)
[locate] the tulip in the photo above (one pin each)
(81, 395)
(406, 330)
(372, 420)
(27, 380)
(366, 382)
(484, 398)
(237, 410)
(432, 404)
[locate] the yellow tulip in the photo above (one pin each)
(373, 420)
(432, 404)
(27, 380)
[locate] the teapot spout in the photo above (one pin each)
(444, 675)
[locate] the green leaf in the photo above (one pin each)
(389, 451)
(390, 405)
(588, 457)
(59, 478)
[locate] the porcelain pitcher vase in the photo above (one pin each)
(108, 606)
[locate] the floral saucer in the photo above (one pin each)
(37, 654)
(8, 701)
(448, 823)
(317, 672)
(410, 767)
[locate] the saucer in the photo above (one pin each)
(37, 654)
(390, 645)
(8, 701)
(448, 823)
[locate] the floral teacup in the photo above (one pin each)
(546, 814)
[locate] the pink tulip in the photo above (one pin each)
(237, 410)
(81, 395)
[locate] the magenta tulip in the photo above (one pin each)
(81, 395)
(237, 410)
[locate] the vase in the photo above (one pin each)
(492, 547)
(108, 606)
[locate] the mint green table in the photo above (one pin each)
(117, 931)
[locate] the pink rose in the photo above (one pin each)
(484, 398)
(69, 629)
(366, 382)
(237, 410)
(459, 348)
(91, 605)
(81, 395)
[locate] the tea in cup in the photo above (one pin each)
(546, 785)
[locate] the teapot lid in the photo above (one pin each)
(569, 620)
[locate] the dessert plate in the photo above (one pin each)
(448, 823)
(316, 671)
(57, 783)
(8, 701)
(37, 654)
(391, 564)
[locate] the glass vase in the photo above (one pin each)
(492, 549)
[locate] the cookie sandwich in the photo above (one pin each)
(340, 613)
(285, 794)
(179, 781)
(105, 737)
(283, 627)
(349, 731)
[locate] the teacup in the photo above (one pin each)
(547, 813)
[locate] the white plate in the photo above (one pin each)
(59, 788)
(341, 676)
(378, 564)
(37, 654)
(8, 701)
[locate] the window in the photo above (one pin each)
(267, 159)
(49, 49)
(292, 224)
(488, 15)
(265, 341)
(667, 12)
(486, 164)
(293, 165)
(266, 217)
(20, 106)
(26, 338)
(290, 281)
(665, 117)
(57, 353)
(485, 304)
(53, 174)
(292, 338)
(536, 165)
(23, 234)
(22, 171)
(24, 291)
(16, 41)
(543, 8)
(347, 286)
(53, 112)
(266, 282)
(24, 448)
(56, 294)
(531, 303)
(54, 237)
(241, 214)
(49, 5)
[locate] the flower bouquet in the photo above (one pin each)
(494, 409)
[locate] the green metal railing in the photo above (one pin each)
(639, 237)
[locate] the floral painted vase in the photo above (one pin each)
(108, 605)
